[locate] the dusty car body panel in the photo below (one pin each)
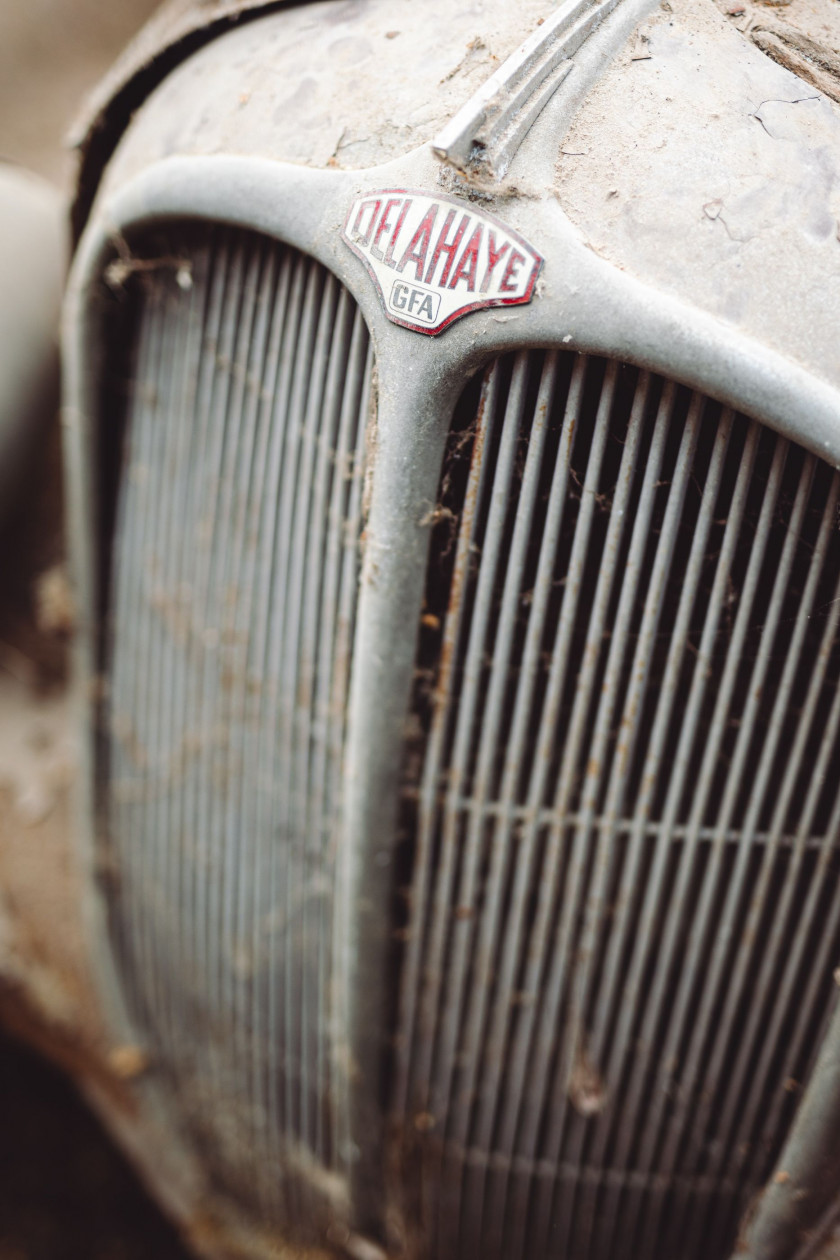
(634, 189)
(176, 30)
(310, 109)
(279, 127)
(741, 219)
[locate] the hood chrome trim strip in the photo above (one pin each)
(485, 134)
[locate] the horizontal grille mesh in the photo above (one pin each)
(624, 914)
(235, 567)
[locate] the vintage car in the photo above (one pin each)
(452, 411)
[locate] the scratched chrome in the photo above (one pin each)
(235, 566)
(624, 910)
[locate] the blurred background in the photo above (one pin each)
(52, 52)
(65, 1192)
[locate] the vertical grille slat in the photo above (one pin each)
(233, 603)
(206, 471)
(280, 1031)
(612, 1011)
(732, 994)
(626, 821)
(258, 811)
(489, 740)
(127, 719)
(186, 336)
(154, 697)
(564, 909)
(692, 981)
(273, 312)
(656, 883)
(605, 838)
(781, 964)
(216, 492)
(244, 406)
(251, 491)
(417, 1036)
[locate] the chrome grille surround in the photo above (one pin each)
(169, 168)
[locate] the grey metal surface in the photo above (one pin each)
(345, 94)
(741, 213)
(218, 142)
(415, 399)
(617, 949)
(235, 573)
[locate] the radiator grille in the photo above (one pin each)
(623, 915)
(232, 608)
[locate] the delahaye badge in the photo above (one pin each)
(433, 259)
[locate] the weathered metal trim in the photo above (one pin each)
(582, 303)
(486, 133)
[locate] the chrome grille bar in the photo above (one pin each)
(700, 927)
(620, 848)
(549, 961)
(656, 883)
(603, 877)
(731, 991)
(233, 600)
